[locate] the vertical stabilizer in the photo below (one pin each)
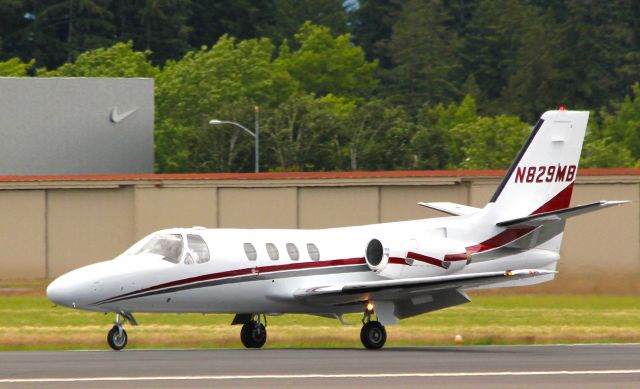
(542, 175)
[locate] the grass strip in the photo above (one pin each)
(490, 319)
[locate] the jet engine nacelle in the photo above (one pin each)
(408, 259)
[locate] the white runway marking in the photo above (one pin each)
(294, 376)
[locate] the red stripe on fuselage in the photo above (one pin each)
(397, 261)
(249, 270)
(424, 258)
(456, 257)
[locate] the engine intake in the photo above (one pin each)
(374, 253)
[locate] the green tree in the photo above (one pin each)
(224, 82)
(423, 54)
(304, 133)
(605, 153)
(372, 26)
(604, 38)
(489, 143)
(494, 35)
(326, 65)
(432, 143)
(14, 67)
(211, 19)
(159, 26)
(623, 125)
(80, 24)
(379, 137)
(289, 15)
(119, 60)
(538, 80)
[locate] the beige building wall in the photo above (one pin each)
(399, 203)
(338, 206)
(23, 234)
(258, 208)
(157, 208)
(608, 240)
(87, 225)
(50, 226)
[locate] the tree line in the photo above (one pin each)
(362, 85)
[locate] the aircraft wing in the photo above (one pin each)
(451, 208)
(409, 297)
(561, 214)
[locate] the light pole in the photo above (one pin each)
(255, 135)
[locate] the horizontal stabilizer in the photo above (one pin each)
(560, 214)
(451, 208)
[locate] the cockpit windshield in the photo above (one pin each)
(169, 246)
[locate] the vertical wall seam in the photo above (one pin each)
(46, 234)
(297, 188)
(379, 203)
(217, 191)
(134, 207)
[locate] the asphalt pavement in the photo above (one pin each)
(561, 366)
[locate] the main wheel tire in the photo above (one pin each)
(115, 340)
(253, 334)
(373, 335)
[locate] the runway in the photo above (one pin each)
(561, 366)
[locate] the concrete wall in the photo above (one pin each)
(50, 226)
(66, 125)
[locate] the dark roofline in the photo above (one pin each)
(298, 175)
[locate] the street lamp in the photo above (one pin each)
(255, 135)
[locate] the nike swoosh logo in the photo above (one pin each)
(118, 117)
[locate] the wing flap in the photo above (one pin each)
(561, 214)
(451, 208)
(396, 290)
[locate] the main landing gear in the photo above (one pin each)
(373, 334)
(117, 336)
(253, 333)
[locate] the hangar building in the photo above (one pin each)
(76, 125)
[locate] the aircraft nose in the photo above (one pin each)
(60, 292)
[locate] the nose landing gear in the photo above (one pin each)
(254, 333)
(373, 335)
(117, 336)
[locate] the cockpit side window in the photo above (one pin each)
(169, 246)
(198, 248)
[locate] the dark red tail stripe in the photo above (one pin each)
(424, 258)
(503, 238)
(559, 201)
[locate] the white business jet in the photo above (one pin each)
(387, 271)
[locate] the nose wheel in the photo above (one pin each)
(117, 336)
(253, 333)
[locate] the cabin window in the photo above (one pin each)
(252, 255)
(272, 250)
(199, 248)
(294, 254)
(169, 246)
(313, 251)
